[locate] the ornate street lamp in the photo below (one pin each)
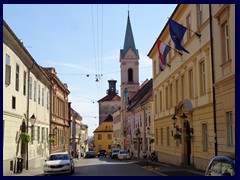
(174, 120)
(33, 119)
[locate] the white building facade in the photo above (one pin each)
(26, 94)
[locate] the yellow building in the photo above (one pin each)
(223, 30)
(183, 94)
(103, 135)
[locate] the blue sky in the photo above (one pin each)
(84, 39)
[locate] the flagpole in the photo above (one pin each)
(176, 50)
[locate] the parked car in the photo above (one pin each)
(123, 154)
(114, 153)
(90, 154)
(102, 153)
(58, 163)
(221, 166)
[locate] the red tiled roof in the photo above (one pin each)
(111, 97)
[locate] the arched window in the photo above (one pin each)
(130, 75)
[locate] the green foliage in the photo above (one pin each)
(51, 140)
(177, 136)
(25, 137)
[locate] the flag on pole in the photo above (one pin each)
(163, 50)
(177, 32)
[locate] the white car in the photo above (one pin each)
(123, 154)
(58, 163)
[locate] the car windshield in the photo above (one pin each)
(58, 157)
(116, 150)
(102, 151)
(123, 152)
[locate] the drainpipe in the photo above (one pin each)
(213, 82)
(29, 70)
(50, 117)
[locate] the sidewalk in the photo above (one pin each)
(167, 169)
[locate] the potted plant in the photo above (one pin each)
(51, 140)
(177, 136)
(25, 137)
(151, 141)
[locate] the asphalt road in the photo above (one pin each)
(108, 167)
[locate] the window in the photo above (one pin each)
(32, 134)
(161, 136)
(43, 134)
(166, 89)
(38, 134)
(47, 100)
(160, 103)
(17, 77)
(229, 128)
(189, 27)
(24, 82)
(156, 102)
(149, 120)
(30, 88)
(146, 124)
(168, 136)
(205, 137)
(203, 78)
(191, 88)
(13, 102)
(177, 91)
(99, 136)
(35, 91)
(99, 147)
(225, 42)
(200, 15)
(183, 89)
(109, 146)
(156, 136)
(47, 134)
(170, 95)
(39, 93)
(8, 71)
(42, 96)
(154, 68)
(130, 75)
(109, 136)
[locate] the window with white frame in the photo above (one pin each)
(188, 27)
(160, 102)
(42, 96)
(24, 82)
(30, 88)
(229, 128)
(8, 71)
(171, 94)
(225, 41)
(47, 100)
(205, 137)
(38, 134)
(35, 91)
(177, 98)
(203, 78)
(183, 87)
(166, 92)
(17, 78)
(191, 87)
(200, 15)
(39, 94)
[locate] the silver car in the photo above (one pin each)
(58, 163)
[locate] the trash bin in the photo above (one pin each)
(19, 165)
